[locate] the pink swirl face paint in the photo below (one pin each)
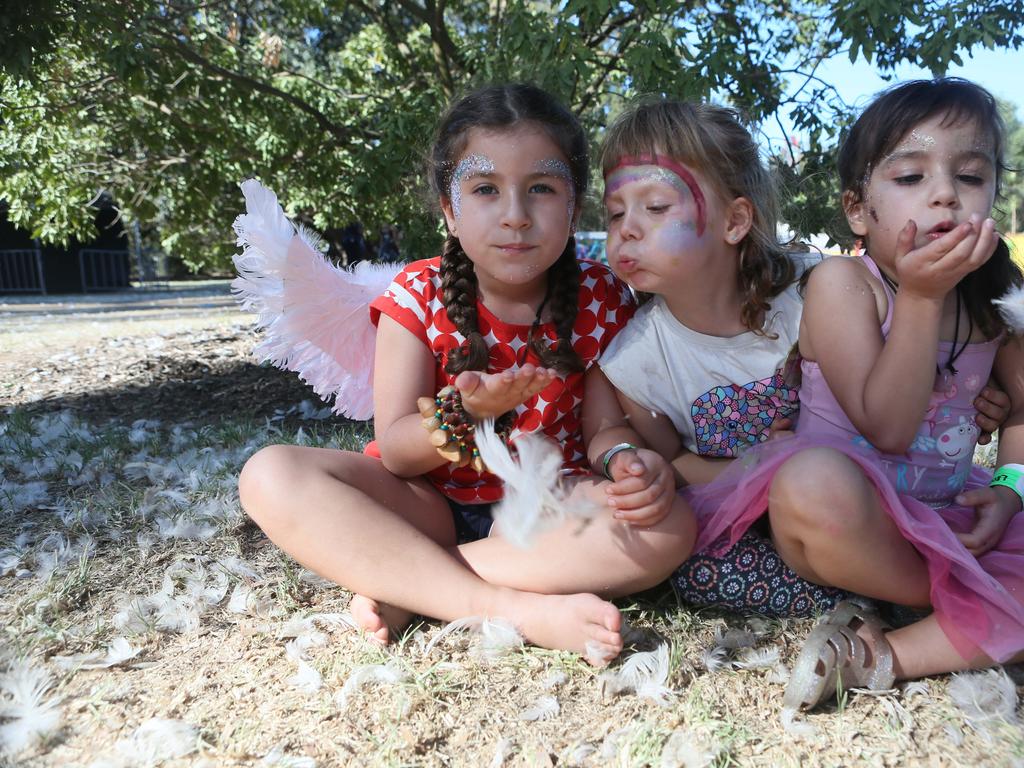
(658, 168)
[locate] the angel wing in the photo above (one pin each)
(315, 315)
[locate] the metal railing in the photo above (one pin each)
(21, 271)
(103, 269)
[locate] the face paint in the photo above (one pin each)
(561, 170)
(667, 170)
(471, 165)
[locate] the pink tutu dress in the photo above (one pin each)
(979, 602)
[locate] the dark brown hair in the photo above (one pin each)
(496, 107)
(892, 116)
(713, 140)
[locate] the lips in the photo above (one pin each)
(940, 229)
(517, 247)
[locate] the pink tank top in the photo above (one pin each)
(936, 465)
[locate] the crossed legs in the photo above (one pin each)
(392, 541)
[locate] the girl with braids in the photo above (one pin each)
(691, 225)
(512, 324)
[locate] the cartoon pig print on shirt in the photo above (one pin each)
(956, 446)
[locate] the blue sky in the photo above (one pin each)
(998, 70)
(1001, 71)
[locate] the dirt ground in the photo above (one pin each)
(139, 354)
(147, 622)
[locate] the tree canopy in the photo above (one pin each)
(168, 105)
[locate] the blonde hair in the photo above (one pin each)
(712, 140)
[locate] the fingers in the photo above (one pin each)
(905, 239)
(646, 514)
(993, 407)
(492, 394)
(985, 536)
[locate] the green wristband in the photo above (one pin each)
(1010, 476)
(610, 453)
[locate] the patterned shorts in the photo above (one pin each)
(751, 578)
(472, 521)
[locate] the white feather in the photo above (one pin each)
(501, 751)
(307, 679)
(30, 715)
(916, 688)
(684, 749)
(985, 698)
(715, 659)
(554, 679)
(1011, 307)
(315, 314)
(277, 758)
(382, 674)
(758, 658)
(497, 635)
(544, 708)
(535, 499)
(644, 674)
(159, 739)
(118, 652)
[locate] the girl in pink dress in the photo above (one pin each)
(876, 493)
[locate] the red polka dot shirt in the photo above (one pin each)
(605, 304)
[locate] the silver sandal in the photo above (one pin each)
(835, 657)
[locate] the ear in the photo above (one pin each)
(856, 212)
(739, 218)
(449, 215)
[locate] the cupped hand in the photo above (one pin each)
(993, 509)
(489, 395)
(993, 406)
(934, 269)
(643, 487)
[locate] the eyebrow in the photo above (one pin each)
(915, 154)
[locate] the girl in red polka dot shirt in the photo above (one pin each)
(509, 318)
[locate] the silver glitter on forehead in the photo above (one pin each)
(470, 164)
(559, 168)
(921, 138)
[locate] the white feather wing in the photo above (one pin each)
(315, 315)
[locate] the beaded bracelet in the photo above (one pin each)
(1010, 476)
(452, 430)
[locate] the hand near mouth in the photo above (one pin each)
(934, 269)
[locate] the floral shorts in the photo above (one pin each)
(751, 578)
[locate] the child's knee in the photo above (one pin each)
(819, 488)
(263, 478)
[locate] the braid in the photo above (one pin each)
(564, 287)
(458, 292)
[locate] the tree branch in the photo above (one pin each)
(325, 123)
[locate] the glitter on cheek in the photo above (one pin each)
(469, 165)
(676, 238)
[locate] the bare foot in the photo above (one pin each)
(378, 620)
(582, 623)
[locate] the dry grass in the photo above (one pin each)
(93, 515)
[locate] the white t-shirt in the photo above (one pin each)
(722, 394)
